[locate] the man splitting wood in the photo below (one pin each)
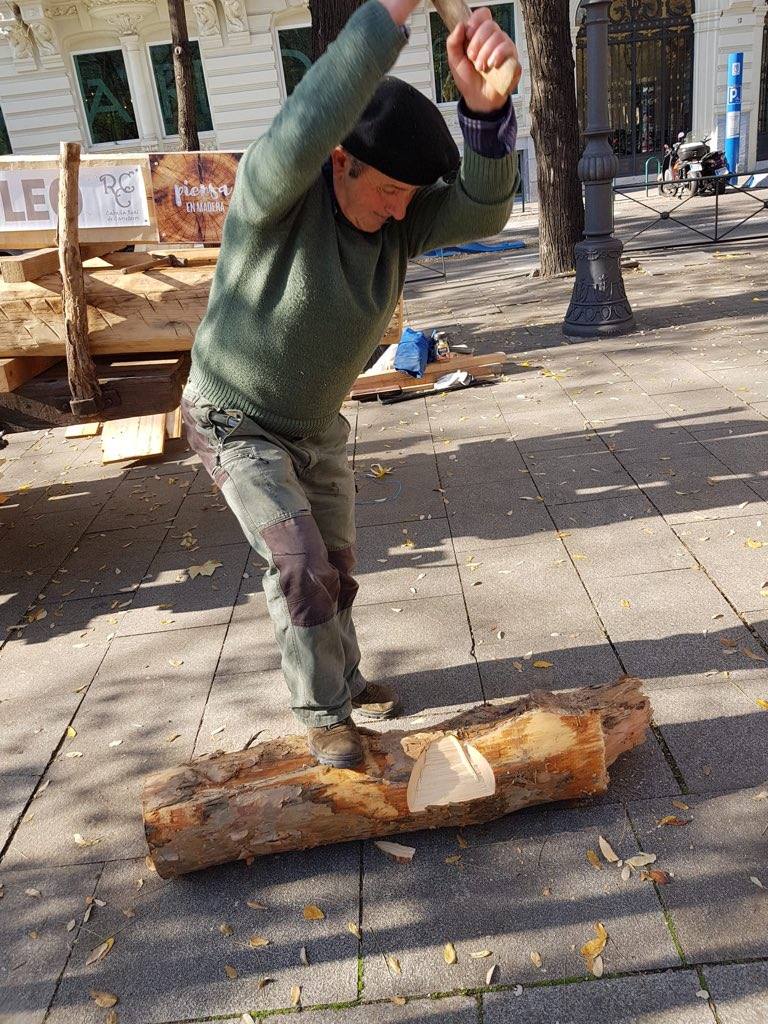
(357, 173)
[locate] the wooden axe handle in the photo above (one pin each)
(503, 79)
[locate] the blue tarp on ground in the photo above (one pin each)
(472, 247)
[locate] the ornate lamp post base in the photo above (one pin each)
(599, 304)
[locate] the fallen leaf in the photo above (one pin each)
(626, 872)
(393, 964)
(247, 1019)
(230, 972)
(226, 929)
(402, 854)
(103, 999)
(641, 860)
(71, 925)
(594, 947)
(71, 732)
(625, 603)
(594, 860)
(757, 881)
(295, 995)
(762, 703)
(518, 990)
(398, 1000)
(681, 805)
(263, 982)
(455, 858)
(99, 952)
(74, 753)
(536, 958)
(32, 892)
(656, 875)
(491, 976)
(379, 471)
(607, 850)
(175, 663)
(753, 545)
(463, 844)
(115, 743)
(354, 930)
(751, 654)
(542, 664)
(702, 994)
(257, 941)
(597, 967)
(303, 956)
(449, 953)
(111, 1017)
(206, 569)
(82, 841)
(37, 614)
(256, 904)
(313, 913)
(480, 954)
(672, 819)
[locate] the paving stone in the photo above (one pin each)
(663, 377)
(39, 542)
(247, 708)
(169, 960)
(103, 563)
(477, 530)
(613, 402)
(424, 651)
(16, 790)
(404, 562)
(667, 626)
(208, 519)
(429, 1010)
(177, 458)
(729, 551)
(715, 732)
(33, 936)
(717, 911)
(478, 461)
(578, 475)
(492, 898)
(18, 590)
(408, 494)
(84, 484)
(15, 503)
(169, 599)
(147, 690)
(542, 425)
(746, 458)
(470, 413)
(143, 500)
(668, 998)
(618, 537)
(750, 383)
(644, 440)
(250, 646)
(740, 992)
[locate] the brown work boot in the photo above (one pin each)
(377, 700)
(338, 745)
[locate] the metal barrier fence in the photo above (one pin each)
(718, 212)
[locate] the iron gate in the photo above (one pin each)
(762, 110)
(650, 43)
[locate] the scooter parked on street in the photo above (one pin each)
(690, 165)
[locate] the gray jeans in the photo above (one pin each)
(295, 500)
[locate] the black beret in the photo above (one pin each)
(402, 134)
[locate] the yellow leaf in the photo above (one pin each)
(111, 1017)
(313, 913)
(449, 953)
(353, 928)
(672, 819)
(753, 545)
(230, 972)
(206, 569)
(225, 929)
(295, 995)
(455, 858)
(536, 958)
(81, 841)
(480, 954)
(762, 703)
(393, 964)
(681, 805)
(594, 860)
(257, 941)
(99, 952)
(71, 732)
(625, 603)
(378, 471)
(595, 947)
(542, 664)
(103, 999)
(764, 590)
(399, 1000)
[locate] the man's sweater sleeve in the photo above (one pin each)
(477, 204)
(277, 169)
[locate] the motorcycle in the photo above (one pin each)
(690, 165)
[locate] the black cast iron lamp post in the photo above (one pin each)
(599, 303)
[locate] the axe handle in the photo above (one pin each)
(503, 79)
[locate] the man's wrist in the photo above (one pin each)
(491, 134)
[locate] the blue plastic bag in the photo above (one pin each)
(412, 353)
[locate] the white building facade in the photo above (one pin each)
(99, 72)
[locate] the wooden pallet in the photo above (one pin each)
(378, 385)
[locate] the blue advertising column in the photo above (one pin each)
(733, 109)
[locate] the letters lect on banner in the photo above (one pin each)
(110, 197)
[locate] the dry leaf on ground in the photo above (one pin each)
(594, 947)
(206, 569)
(393, 964)
(226, 929)
(449, 953)
(354, 930)
(103, 999)
(398, 1000)
(257, 941)
(641, 860)
(656, 875)
(480, 954)
(230, 972)
(492, 974)
(402, 854)
(99, 952)
(313, 913)
(594, 860)
(672, 819)
(536, 958)
(607, 850)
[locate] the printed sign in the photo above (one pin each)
(110, 197)
(192, 193)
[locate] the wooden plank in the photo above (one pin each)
(28, 266)
(133, 438)
(375, 382)
(83, 430)
(128, 338)
(173, 424)
(15, 372)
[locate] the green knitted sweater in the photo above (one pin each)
(300, 297)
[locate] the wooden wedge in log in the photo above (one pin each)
(473, 768)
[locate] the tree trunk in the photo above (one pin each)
(555, 132)
(182, 72)
(328, 19)
(476, 767)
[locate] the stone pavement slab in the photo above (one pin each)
(522, 885)
(574, 475)
(39, 542)
(245, 709)
(33, 935)
(484, 524)
(613, 403)
(471, 413)
(740, 992)
(409, 493)
(733, 552)
(453, 1009)
(19, 590)
(717, 912)
(746, 458)
(148, 690)
(143, 500)
(168, 960)
(169, 598)
(209, 520)
(667, 998)
(15, 791)
(404, 561)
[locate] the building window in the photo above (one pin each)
(165, 83)
(445, 88)
(295, 55)
(5, 142)
(106, 96)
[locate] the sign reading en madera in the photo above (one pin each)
(124, 197)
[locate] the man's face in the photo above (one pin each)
(366, 197)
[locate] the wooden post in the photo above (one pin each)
(83, 382)
(182, 72)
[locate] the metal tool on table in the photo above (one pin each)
(503, 79)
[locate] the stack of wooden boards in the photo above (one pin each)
(397, 384)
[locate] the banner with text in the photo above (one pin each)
(192, 193)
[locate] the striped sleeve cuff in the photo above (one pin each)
(491, 135)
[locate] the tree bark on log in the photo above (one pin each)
(555, 132)
(182, 73)
(474, 768)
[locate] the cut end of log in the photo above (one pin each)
(449, 772)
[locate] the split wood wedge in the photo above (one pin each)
(472, 768)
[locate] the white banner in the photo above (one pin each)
(110, 197)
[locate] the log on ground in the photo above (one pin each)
(473, 768)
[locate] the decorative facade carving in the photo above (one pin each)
(234, 12)
(45, 38)
(207, 18)
(61, 11)
(20, 39)
(124, 17)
